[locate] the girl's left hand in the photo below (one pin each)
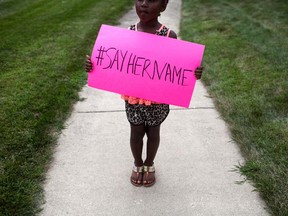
(198, 72)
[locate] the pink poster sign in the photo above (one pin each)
(147, 66)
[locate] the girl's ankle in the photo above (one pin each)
(138, 164)
(148, 163)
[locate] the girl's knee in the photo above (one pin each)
(136, 139)
(153, 133)
(137, 133)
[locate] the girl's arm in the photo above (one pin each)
(198, 72)
(172, 34)
(88, 64)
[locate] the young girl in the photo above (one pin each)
(146, 116)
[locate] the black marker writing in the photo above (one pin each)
(100, 56)
(140, 66)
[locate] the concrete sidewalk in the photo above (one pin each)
(92, 162)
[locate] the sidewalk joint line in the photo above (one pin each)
(193, 108)
(115, 111)
(101, 111)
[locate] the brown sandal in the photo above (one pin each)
(137, 176)
(149, 176)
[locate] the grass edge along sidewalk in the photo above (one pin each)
(42, 55)
(247, 76)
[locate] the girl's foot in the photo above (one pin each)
(149, 176)
(137, 176)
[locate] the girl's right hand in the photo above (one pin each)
(89, 66)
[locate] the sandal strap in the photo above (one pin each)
(137, 169)
(149, 168)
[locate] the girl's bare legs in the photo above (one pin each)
(136, 143)
(153, 140)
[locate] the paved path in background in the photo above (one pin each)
(92, 162)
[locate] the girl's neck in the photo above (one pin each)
(149, 27)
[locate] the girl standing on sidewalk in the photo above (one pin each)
(146, 116)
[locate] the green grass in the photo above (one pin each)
(42, 56)
(246, 60)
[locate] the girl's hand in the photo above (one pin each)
(89, 66)
(198, 72)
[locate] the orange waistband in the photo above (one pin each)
(134, 100)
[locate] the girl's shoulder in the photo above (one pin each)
(163, 31)
(166, 32)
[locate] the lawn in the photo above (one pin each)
(246, 61)
(42, 50)
(42, 56)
